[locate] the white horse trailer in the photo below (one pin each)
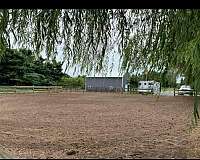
(149, 87)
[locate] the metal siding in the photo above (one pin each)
(100, 83)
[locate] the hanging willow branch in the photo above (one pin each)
(160, 38)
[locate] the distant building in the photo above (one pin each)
(105, 83)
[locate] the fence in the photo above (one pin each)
(72, 89)
(132, 90)
(37, 89)
(29, 89)
(105, 89)
(177, 92)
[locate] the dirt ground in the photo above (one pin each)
(97, 125)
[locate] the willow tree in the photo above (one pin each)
(147, 39)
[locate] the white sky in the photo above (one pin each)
(115, 58)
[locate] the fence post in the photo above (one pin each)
(174, 92)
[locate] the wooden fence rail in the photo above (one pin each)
(36, 89)
(29, 89)
(177, 92)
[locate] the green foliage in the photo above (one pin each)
(21, 67)
(72, 82)
(34, 79)
(161, 38)
(133, 81)
(182, 82)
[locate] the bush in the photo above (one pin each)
(72, 82)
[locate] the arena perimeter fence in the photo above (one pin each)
(37, 89)
(56, 89)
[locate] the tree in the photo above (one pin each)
(153, 39)
(21, 67)
(13, 65)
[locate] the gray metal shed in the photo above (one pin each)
(105, 83)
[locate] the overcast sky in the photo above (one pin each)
(113, 58)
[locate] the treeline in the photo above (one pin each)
(23, 67)
(167, 79)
